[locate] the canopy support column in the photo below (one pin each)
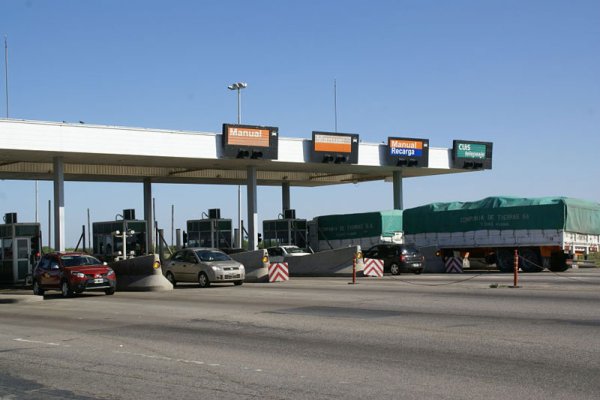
(252, 209)
(59, 204)
(285, 197)
(148, 216)
(398, 201)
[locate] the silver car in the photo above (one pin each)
(205, 266)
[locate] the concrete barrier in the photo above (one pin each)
(336, 262)
(140, 274)
(256, 263)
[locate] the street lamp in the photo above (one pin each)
(239, 86)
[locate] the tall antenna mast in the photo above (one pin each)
(335, 102)
(6, 70)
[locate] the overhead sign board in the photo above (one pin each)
(408, 152)
(337, 148)
(250, 141)
(475, 155)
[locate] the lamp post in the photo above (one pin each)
(239, 86)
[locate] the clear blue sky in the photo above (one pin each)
(522, 74)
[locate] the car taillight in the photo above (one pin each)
(402, 258)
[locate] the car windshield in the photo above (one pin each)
(74, 261)
(210, 255)
(294, 250)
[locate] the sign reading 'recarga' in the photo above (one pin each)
(249, 141)
(468, 154)
(337, 148)
(408, 152)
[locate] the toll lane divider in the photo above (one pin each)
(256, 264)
(338, 262)
(279, 272)
(140, 274)
(373, 267)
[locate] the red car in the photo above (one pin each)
(72, 273)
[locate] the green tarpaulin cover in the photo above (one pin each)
(352, 226)
(572, 215)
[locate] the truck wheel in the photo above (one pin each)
(505, 260)
(558, 262)
(529, 261)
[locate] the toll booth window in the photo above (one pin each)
(7, 248)
(22, 248)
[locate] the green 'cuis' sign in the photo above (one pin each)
(471, 150)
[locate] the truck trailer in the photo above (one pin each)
(363, 229)
(546, 231)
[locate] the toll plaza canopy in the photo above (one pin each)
(80, 152)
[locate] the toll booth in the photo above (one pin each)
(20, 249)
(213, 231)
(119, 239)
(286, 231)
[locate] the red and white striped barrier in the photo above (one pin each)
(373, 267)
(454, 265)
(279, 272)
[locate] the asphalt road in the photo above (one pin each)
(412, 337)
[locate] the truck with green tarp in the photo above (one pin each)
(546, 231)
(364, 229)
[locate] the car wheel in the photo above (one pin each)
(171, 278)
(238, 283)
(203, 280)
(37, 290)
(66, 290)
(394, 269)
(109, 292)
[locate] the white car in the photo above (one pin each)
(205, 266)
(278, 254)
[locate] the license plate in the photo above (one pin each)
(416, 265)
(98, 280)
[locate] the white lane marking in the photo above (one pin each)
(179, 360)
(36, 341)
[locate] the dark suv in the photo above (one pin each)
(397, 258)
